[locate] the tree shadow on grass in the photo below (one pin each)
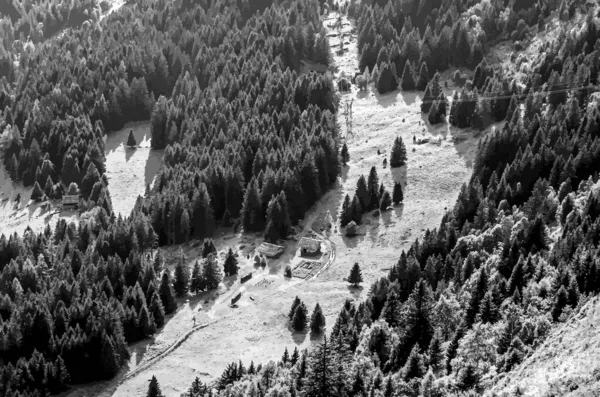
(398, 210)
(399, 175)
(386, 218)
(298, 337)
(386, 100)
(355, 291)
(153, 164)
(129, 151)
(316, 339)
(352, 242)
(410, 97)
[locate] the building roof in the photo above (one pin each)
(269, 249)
(309, 243)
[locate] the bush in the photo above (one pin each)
(288, 271)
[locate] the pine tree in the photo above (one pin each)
(167, 296)
(397, 194)
(37, 194)
(414, 367)
(408, 78)
(435, 353)
(363, 194)
(146, 325)
(345, 154)
(295, 356)
(131, 142)
(212, 273)
(182, 277)
(157, 310)
(467, 378)
(295, 304)
(252, 213)
(197, 283)
(346, 214)
(386, 201)
(398, 156)
(154, 388)
(231, 263)
(560, 303)
(355, 275)
(356, 210)
(321, 372)
(423, 77)
(286, 356)
(300, 317)
(317, 320)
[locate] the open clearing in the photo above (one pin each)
(128, 169)
(257, 330)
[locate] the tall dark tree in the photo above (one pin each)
(398, 156)
(397, 194)
(167, 295)
(317, 320)
(355, 277)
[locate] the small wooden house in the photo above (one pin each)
(70, 201)
(270, 250)
(309, 246)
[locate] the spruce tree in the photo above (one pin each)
(208, 248)
(212, 273)
(252, 212)
(346, 214)
(295, 356)
(167, 296)
(231, 263)
(286, 356)
(414, 367)
(295, 304)
(560, 302)
(300, 317)
(37, 194)
(154, 388)
(197, 283)
(373, 187)
(408, 78)
(363, 194)
(397, 194)
(317, 320)
(157, 309)
(398, 156)
(467, 378)
(345, 155)
(423, 77)
(386, 201)
(435, 353)
(356, 210)
(182, 278)
(131, 142)
(355, 277)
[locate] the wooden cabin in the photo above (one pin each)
(70, 201)
(309, 246)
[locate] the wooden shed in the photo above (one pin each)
(270, 250)
(70, 201)
(309, 246)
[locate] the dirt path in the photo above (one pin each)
(257, 330)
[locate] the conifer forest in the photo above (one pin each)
(299, 198)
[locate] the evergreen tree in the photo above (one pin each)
(131, 142)
(386, 81)
(397, 194)
(286, 356)
(37, 194)
(372, 187)
(346, 214)
(182, 277)
(295, 356)
(154, 388)
(355, 275)
(398, 156)
(295, 304)
(167, 296)
(414, 367)
(197, 283)
(386, 201)
(321, 372)
(363, 194)
(560, 303)
(408, 78)
(212, 273)
(317, 320)
(300, 317)
(208, 248)
(157, 310)
(435, 353)
(356, 210)
(423, 77)
(467, 378)
(252, 213)
(231, 263)
(345, 154)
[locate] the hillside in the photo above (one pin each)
(566, 364)
(300, 198)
